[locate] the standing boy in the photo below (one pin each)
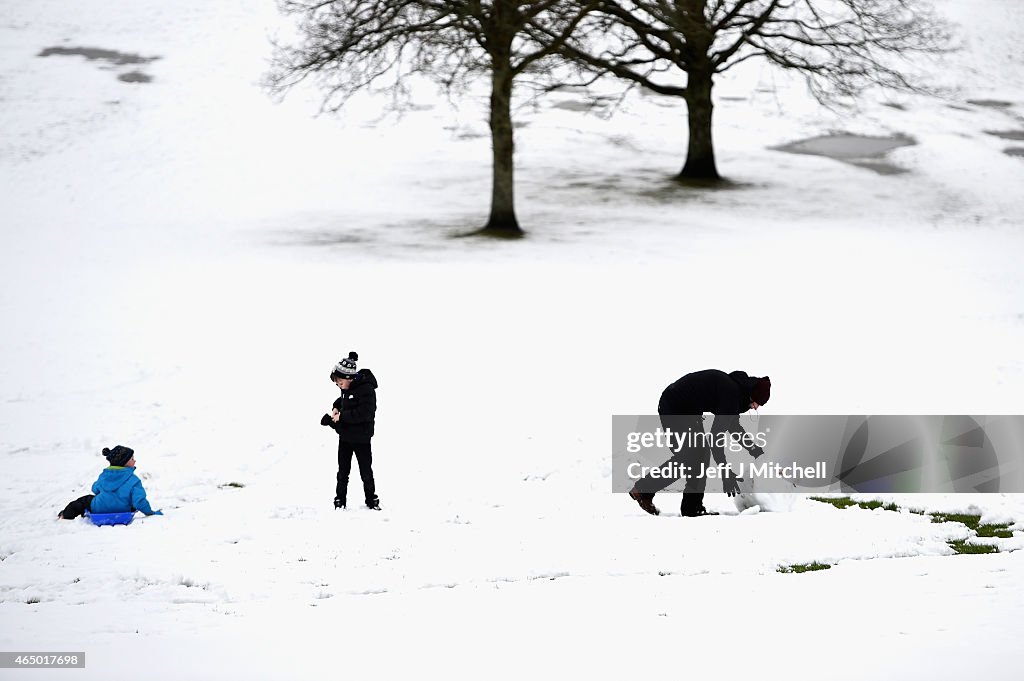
(353, 418)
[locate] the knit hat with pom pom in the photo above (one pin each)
(346, 368)
(119, 455)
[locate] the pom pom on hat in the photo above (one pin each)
(119, 455)
(346, 368)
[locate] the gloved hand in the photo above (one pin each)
(756, 452)
(326, 420)
(730, 484)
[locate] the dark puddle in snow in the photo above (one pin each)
(112, 57)
(97, 54)
(585, 105)
(1015, 135)
(135, 77)
(329, 238)
(990, 103)
(859, 150)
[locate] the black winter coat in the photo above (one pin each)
(711, 391)
(357, 405)
(706, 391)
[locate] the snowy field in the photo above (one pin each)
(184, 260)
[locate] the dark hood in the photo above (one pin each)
(365, 375)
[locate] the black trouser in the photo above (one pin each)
(364, 457)
(77, 507)
(693, 458)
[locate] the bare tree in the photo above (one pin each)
(840, 46)
(375, 45)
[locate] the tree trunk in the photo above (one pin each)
(502, 221)
(700, 153)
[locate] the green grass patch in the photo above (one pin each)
(847, 502)
(838, 502)
(971, 520)
(962, 546)
(804, 567)
(1000, 530)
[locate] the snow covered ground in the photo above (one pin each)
(183, 261)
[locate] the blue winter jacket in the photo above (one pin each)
(119, 490)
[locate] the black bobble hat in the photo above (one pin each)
(346, 368)
(119, 455)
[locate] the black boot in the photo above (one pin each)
(696, 512)
(339, 502)
(373, 504)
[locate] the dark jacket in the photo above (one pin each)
(358, 406)
(711, 391)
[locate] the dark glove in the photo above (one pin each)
(756, 452)
(327, 420)
(730, 484)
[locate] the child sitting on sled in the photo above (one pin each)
(117, 490)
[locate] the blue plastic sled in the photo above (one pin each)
(111, 518)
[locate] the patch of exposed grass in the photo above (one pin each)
(838, 502)
(971, 520)
(847, 502)
(236, 485)
(964, 546)
(33, 601)
(1000, 530)
(803, 567)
